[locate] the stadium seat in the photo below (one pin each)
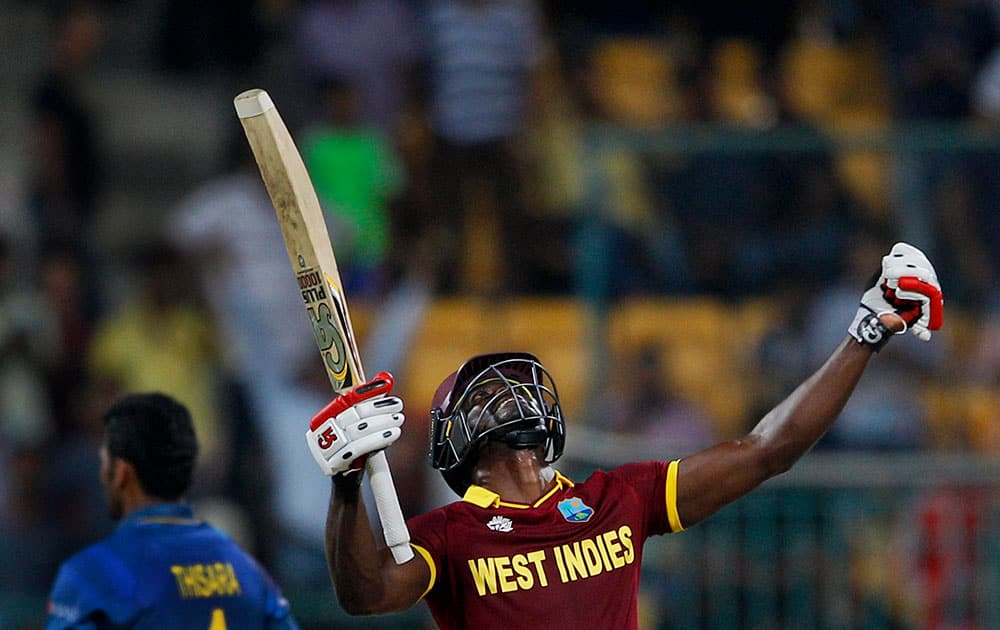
(634, 82)
(554, 330)
(707, 342)
(738, 93)
(458, 328)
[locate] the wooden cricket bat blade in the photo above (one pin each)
(311, 256)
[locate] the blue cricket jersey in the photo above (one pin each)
(162, 568)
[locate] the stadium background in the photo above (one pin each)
(704, 188)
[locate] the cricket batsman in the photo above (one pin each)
(527, 547)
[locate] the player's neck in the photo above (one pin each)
(517, 476)
(133, 502)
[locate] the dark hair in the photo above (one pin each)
(154, 433)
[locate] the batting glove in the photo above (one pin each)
(355, 424)
(907, 286)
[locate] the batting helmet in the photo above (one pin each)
(533, 419)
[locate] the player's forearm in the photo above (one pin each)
(789, 430)
(352, 554)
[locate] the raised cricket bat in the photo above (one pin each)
(311, 255)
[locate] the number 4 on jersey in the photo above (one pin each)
(218, 620)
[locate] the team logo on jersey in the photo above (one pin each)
(501, 524)
(575, 511)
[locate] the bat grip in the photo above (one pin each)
(397, 536)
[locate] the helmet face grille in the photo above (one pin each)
(490, 396)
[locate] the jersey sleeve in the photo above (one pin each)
(285, 622)
(277, 610)
(92, 588)
(72, 603)
(429, 541)
(656, 485)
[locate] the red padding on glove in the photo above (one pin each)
(381, 384)
(917, 285)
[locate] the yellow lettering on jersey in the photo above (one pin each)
(625, 535)
(592, 557)
(563, 576)
(604, 552)
(206, 580)
(484, 575)
(581, 559)
(614, 549)
(575, 566)
(506, 574)
(536, 558)
(525, 579)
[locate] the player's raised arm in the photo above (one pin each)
(361, 421)
(906, 296)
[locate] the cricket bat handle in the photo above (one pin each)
(397, 536)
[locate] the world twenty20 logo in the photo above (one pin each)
(574, 510)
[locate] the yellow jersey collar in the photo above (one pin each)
(481, 497)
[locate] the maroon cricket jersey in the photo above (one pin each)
(570, 560)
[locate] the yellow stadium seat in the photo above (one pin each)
(706, 342)
(456, 329)
(453, 330)
(813, 74)
(554, 330)
(634, 82)
(738, 94)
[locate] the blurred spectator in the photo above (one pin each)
(72, 486)
(887, 410)
(228, 231)
(801, 229)
(67, 287)
(986, 88)
(752, 222)
(30, 539)
(46, 506)
(482, 58)
(716, 195)
(553, 184)
(966, 234)
(943, 555)
(645, 405)
(356, 173)
(162, 339)
(780, 356)
(371, 43)
(934, 48)
(68, 176)
(28, 336)
(627, 239)
(983, 180)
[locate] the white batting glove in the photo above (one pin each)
(355, 424)
(908, 287)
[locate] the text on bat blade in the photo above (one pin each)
(330, 341)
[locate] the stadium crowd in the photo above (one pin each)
(485, 148)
